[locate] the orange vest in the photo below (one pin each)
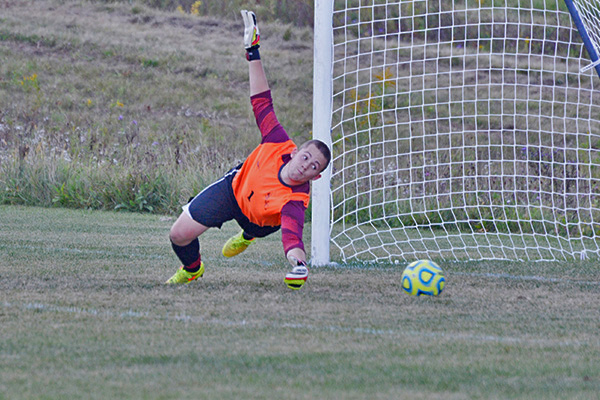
(257, 188)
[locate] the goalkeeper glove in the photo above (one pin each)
(297, 278)
(251, 35)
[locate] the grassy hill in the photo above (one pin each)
(121, 105)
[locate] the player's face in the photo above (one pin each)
(306, 164)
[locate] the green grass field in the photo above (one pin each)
(84, 314)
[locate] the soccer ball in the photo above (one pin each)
(423, 277)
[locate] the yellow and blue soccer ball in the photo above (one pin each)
(423, 277)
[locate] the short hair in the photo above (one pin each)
(322, 147)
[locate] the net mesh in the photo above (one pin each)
(589, 12)
(463, 130)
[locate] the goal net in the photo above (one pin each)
(586, 16)
(461, 130)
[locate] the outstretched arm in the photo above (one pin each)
(258, 79)
(291, 233)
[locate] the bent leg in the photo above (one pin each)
(184, 241)
(209, 209)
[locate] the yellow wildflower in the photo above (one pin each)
(195, 10)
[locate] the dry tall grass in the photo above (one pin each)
(131, 99)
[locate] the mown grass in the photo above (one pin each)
(119, 105)
(85, 314)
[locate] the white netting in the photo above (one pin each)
(589, 12)
(463, 130)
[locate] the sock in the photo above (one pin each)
(189, 255)
(246, 236)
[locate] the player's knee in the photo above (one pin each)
(179, 236)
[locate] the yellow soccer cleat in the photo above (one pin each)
(236, 244)
(183, 276)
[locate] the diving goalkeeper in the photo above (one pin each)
(269, 191)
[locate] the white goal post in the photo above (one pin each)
(460, 130)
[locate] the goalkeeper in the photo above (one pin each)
(268, 191)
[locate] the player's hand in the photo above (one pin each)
(297, 278)
(251, 32)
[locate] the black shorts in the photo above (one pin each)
(216, 204)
